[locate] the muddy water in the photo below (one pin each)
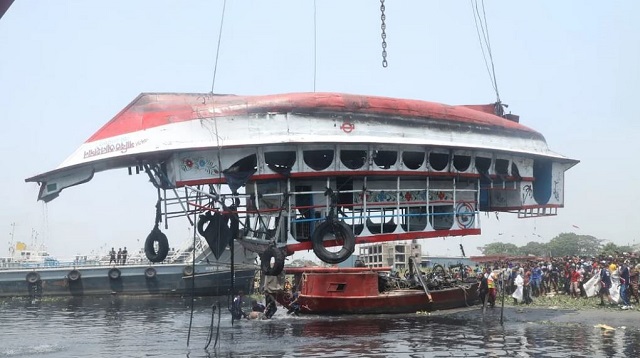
(135, 327)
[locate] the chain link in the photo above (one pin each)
(383, 27)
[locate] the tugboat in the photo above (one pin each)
(373, 290)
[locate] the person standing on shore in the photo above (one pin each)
(574, 286)
(536, 279)
(633, 285)
(483, 288)
(605, 283)
(492, 289)
(527, 287)
(518, 293)
(624, 285)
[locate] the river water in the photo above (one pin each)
(143, 327)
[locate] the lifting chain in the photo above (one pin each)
(383, 27)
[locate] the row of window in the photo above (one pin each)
(323, 159)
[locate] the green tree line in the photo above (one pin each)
(565, 244)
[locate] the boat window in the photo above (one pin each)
(385, 159)
(336, 287)
(414, 219)
(413, 160)
(318, 159)
(246, 164)
(441, 217)
(483, 165)
(280, 162)
(438, 161)
(502, 167)
(461, 162)
(353, 159)
(515, 171)
(380, 221)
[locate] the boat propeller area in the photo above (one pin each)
(320, 171)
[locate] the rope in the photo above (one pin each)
(213, 312)
(484, 27)
(193, 273)
(215, 66)
(315, 45)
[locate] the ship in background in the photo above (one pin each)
(30, 271)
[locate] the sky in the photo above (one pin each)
(568, 68)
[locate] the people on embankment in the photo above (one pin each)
(612, 280)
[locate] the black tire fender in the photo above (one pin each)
(188, 270)
(265, 261)
(163, 246)
(114, 274)
(150, 273)
(33, 277)
(338, 228)
(74, 275)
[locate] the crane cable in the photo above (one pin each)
(315, 45)
(215, 66)
(485, 42)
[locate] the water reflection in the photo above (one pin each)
(118, 326)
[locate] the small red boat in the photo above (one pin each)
(365, 290)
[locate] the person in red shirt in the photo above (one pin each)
(575, 277)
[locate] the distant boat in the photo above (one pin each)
(363, 290)
(35, 274)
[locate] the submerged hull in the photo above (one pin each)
(166, 279)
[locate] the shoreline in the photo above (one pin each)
(558, 309)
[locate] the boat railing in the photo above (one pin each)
(289, 209)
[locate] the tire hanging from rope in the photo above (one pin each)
(156, 236)
(277, 255)
(342, 233)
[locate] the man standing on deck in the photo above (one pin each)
(119, 256)
(112, 256)
(124, 255)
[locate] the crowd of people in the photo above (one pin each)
(614, 279)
